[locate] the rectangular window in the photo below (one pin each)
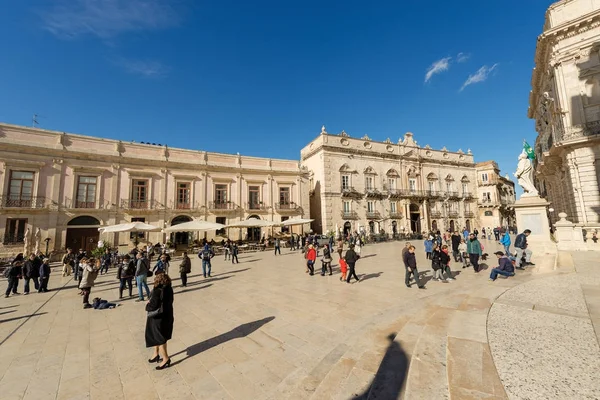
(449, 187)
(184, 195)
(484, 177)
(86, 192)
(347, 207)
(284, 196)
(139, 193)
(20, 190)
(140, 235)
(393, 207)
(392, 183)
(254, 197)
(431, 186)
(345, 182)
(369, 183)
(220, 196)
(370, 206)
(465, 188)
(412, 185)
(15, 230)
(222, 221)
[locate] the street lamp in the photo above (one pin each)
(47, 240)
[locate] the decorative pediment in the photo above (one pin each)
(369, 171)
(346, 168)
(449, 178)
(432, 177)
(343, 133)
(412, 171)
(392, 173)
(464, 179)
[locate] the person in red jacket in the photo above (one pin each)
(311, 256)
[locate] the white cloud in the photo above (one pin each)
(462, 57)
(107, 18)
(480, 76)
(437, 67)
(145, 68)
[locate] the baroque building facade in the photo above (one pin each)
(361, 184)
(565, 104)
(70, 185)
(496, 196)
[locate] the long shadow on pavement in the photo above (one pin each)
(21, 317)
(237, 332)
(370, 276)
(391, 374)
(369, 255)
(193, 289)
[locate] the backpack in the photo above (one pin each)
(7, 271)
(205, 254)
(130, 269)
(188, 267)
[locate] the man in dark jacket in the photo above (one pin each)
(351, 257)
(185, 268)
(31, 272)
(455, 243)
(14, 274)
(504, 268)
(521, 247)
(410, 264)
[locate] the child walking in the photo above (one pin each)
(343, 269)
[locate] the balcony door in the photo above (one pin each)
(86, 192)
(139, 193)
(20, 190)
(254, 197)
(184, 195)
(220, 196)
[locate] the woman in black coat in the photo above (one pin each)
(159, 323)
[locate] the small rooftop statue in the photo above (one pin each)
(366, 137)
(323, 131)
(343, 133)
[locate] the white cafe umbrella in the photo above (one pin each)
(252, 223)
(129, 227)
(297, 221)
(194, 226)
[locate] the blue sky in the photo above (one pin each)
(260, 78)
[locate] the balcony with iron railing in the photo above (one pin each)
(453, 195)
(257, 207)
(12, 201)
(436, 214)
(432, 194)
(373, 215)
(469, 214)
(453, 214)
(395, 215)
(141, 205)
(222, 206)
(374, 193)
(413, 193)
(490, 181)
(467, 195)
(349, 215)
(350, 191)
(286, 207)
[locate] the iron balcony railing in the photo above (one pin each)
(469, 214)
(373, 215)
(349, 215)
(467, 195)
(21, 201)
(394, 193)
(395, 215)
(222, 206)
(435, 194)
(436, 214)
(137, 204)
(256, 206)
(453, 214)
(288, 206)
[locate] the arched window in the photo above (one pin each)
(83, 220)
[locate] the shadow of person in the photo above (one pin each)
(237, 332)
(370, 276)
(391, 374)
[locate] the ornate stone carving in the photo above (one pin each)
(119, 147)
(387, 140)
(366, 137)
(343, 133)
(323, 131)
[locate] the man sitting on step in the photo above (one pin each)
(504, 268)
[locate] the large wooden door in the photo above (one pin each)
(82, 238)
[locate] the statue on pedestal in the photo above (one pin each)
(26, 243)
(524, 175)
(38, 238)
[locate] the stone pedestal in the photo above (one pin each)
(531, 213)
(568, 236)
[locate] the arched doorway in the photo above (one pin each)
(253, 234)
(371, 227)
(452, 226)
(347, 228)
(434, 226)
(82, 233)
(181, 238)
(394, 228)
(415, 218)
(468, 225)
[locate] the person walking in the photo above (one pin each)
(277, 246)
(410, 264)
(206, 254)
(340, 246)
(474, 250)
(446, 263)
(428, 244)
(67, 262)
(162, 266)
(456, 239)
(343, 269)
(311, 257)
(185, 267)
(234, 253)
(125, 274)
(227, 248)
(437, 264)
(88, 277)
(521, 248)
(159, 320)
(504, 268)
(351, 258)
(464, 255)
(142, 268)
(505, 242)
(105, 262)
(44, 275)
(31, 271)
(13, 273)
(326, 260)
